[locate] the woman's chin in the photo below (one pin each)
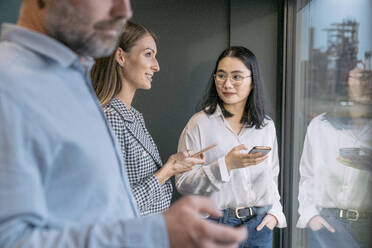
(228, 101)
(146, 86)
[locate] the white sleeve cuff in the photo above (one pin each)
(306, 217)
(279, 215)
(225, 176)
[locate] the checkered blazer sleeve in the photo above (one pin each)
(151, 196)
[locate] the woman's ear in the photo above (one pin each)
(120, 56)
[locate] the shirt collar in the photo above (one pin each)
(217, 113)
(40, 43)
(124, 111)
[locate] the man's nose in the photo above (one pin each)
(122, 9)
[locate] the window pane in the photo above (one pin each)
(333, 125)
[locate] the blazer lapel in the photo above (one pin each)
(138, 129)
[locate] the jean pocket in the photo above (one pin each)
(323, 229)
(318, 230)
(267, 229)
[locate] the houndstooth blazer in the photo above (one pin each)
(141, 158)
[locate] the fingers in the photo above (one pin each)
(226, 234)
(222, 234)
(240, 147)
(253, 155)
(253, 161)
(317, 222)
(269, 221)
(257, 158)
(202, 205)
(213, 244)
(190, 157)
(327, 225)
(186, 154)
(201, 156)
(190, 153)
(224, 245)
(194, 160)
(195, 231)
(261, 225)
(256, 155)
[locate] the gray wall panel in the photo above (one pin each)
(9, 10)
(191, 35)
(254, 25)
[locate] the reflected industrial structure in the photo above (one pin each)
(335, 166)
(326, 73)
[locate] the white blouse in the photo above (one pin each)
(251, 186)
(325, 181)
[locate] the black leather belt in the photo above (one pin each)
(346, 214)
(244, 212)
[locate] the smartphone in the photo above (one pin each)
(357, 158)
(262, 149)
(350, 153)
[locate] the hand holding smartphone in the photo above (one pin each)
(260, 149)
(357, 158)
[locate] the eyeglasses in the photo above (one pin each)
(235, 79)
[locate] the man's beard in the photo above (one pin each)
(72, 28)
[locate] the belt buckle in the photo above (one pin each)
(237, 212)
(347, 216)
(355, 212)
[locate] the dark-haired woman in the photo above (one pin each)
(243, 185)
(116, 80)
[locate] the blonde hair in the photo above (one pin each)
(106, 73)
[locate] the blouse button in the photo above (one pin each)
(144, 153)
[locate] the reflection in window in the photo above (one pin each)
(333, 134)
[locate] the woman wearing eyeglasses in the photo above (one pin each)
(243, 185)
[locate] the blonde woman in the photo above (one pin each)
(116, 80)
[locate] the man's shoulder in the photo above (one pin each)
(25, 73)
(13, 54)
(17, 63)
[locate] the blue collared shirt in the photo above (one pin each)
(62, 181)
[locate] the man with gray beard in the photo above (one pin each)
(62, 181)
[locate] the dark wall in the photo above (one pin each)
(192, 33)
(254, 24)
(9, 10)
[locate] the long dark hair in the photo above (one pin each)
(254, 112)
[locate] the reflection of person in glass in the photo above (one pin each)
(241, 184)
(335, 186)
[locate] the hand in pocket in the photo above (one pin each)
(317, 222)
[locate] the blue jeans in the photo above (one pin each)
(349, 234)
(256, 239)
